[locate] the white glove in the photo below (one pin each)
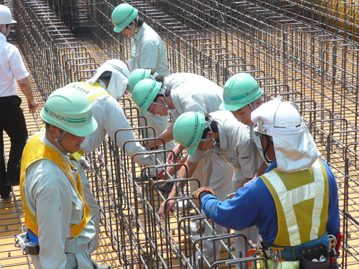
(84, 164)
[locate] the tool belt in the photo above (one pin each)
(315, 254)
(28, 247)
(315, 257)
(292, 253)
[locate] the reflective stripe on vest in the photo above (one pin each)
(36, 150)
(301, 201)
(91, 91)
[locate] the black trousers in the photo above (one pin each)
(12, 121)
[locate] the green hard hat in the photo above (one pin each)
(122, 16)
(240, 90)
(145, 92)
(188, 130)
(69, 110)
(137, 75)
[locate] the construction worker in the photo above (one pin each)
(241, 96)
(147, 48)
(193, 95)
(147, 51)
(170, 83)
(294, 204)
(106, 86)
(217, 133)
(12, 120)
(56, 213)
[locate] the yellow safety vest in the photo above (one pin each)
(92, 91)
(301, 201)
(36, 150)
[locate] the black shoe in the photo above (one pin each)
(6, 198)
(99, 266)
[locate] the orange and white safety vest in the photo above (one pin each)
(36, 150)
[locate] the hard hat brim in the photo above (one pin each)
(86, 129)
(145, 107)
(144, 110)
(117, 29)
(192, 148)
(81, 131)
(192, 151)
(224, 106)
(7, 22)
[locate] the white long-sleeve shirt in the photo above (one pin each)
(110, 118)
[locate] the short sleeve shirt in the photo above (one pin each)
(12, 68)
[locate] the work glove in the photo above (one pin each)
(84, 164)
(197, 194)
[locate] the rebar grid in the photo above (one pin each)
(305, 50)
(127, 213)
(129, 199)
(55, 56)
(72, 13)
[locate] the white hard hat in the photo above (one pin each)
(5, 15)
(119, 77)
(277, 117)
(294, 147)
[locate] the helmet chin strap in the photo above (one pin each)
(167, 108)
(58, 140)
(169, 111)
(134, 28)
(207, 125)
(7, 31)
(251, 106)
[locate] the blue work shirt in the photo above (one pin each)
(253, 205)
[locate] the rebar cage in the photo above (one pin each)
(306, 51)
